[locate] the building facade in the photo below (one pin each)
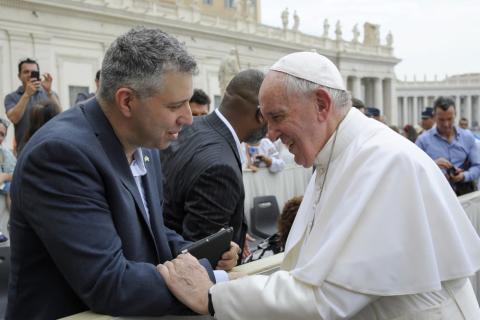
(69, 37)
(414, 96)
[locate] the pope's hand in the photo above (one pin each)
(188, 280)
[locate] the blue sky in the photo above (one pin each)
(431, 37)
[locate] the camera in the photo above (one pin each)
(35, 75)
(452, 171)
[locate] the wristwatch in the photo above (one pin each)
(210, 304)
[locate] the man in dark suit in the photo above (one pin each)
(86, 221)
(203, 168)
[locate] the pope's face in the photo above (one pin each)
(160, 118)
(291, 118)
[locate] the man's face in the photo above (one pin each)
(198, 109)
(427, 123)
(158, 119)
(292, 118)
(445, 120)
(26, 71)
(3, 133)
(463, 124)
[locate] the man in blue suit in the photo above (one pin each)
(86, 220)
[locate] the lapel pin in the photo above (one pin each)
(146, 159)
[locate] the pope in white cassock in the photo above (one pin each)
(380, 235)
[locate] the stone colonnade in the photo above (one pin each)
(374, 92)
(410, 107)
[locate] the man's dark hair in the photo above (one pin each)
(443, 103)
(357, 103)
(28, 61)
(139, 60)
(97, 75)
(200, 97)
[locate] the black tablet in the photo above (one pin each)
(211, 247)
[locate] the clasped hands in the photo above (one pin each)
(188, 280)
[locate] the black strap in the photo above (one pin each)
(210, 304)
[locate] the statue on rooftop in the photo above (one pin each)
(285, 18)
(326, 28)
(296, 21)
(338, 30)
(356, 34)
(389, 39)
(229, 67)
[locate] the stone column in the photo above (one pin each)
(390, 101)
(405, 111)
(357, 88)
(401, 111)
(415, 111)
(468, 114)
(457, 108)
(475, 109)
(378, 94)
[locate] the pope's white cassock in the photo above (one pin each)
(385, 239)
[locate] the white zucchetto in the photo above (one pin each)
(311, 66)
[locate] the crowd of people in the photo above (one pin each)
(130, 175)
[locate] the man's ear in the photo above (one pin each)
(323, 103)
(124, 98)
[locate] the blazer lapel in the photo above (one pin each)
(114, 151)
(154, 197)
(218, 125)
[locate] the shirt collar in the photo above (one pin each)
(138, 164)
(436, 133)
(234, 134)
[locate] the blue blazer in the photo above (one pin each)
(80, 236)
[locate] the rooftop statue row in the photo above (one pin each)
(245, 18)
(371, 31)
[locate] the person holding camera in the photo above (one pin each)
(452, 148)
(34, 90)
(264, 154)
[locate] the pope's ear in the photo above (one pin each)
(123, 99)
(323, 103)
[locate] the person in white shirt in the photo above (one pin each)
(264, 154)
(400, 249)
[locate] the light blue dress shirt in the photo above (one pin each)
(461, 148)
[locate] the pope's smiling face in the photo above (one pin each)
(292, 117)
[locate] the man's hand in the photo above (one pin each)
(459, 177)
(47, 82)
(267, 160)
(443, 163)
(229, 258)
(188, 281)
(32, 87)
(246, 248)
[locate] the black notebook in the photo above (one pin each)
(211, 247)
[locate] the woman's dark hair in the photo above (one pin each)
(40, 114)
(410, 132)
(285, 220)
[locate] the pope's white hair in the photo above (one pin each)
(341, 99)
